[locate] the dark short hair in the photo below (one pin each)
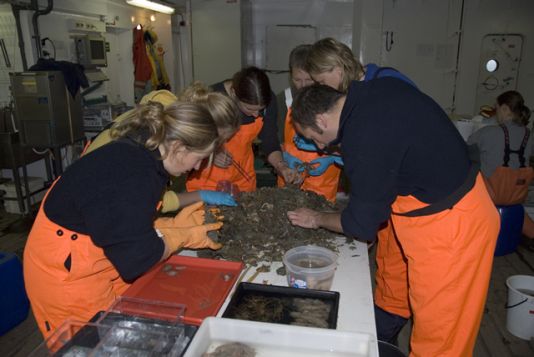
(312, 101)
(251, 86)
(297, 57)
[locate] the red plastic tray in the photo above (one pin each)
(200, 284)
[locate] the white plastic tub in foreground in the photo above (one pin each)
(276, 340)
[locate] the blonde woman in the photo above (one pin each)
(94, 232)
(224, 112)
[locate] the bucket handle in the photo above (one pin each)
(519, 303)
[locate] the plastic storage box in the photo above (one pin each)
(127, 328)
(14, 304)
(278, 340)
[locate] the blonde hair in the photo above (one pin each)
(153, 125)
(222, 108)
(328, 53)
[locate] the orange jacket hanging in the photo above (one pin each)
(142, 66)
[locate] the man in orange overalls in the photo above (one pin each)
(404, 158)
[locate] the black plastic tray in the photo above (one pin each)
(247, 290)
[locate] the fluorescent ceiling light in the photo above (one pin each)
(152, 5)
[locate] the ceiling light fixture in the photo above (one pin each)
(152, 5)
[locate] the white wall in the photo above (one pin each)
(480, 17)
(216, 37)
(274, 27)
(494, 17)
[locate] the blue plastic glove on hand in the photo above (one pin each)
(323, 164)
(217, 198)
(293, 162)
(304, 144)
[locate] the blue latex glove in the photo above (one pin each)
(217, 198)
(293, 162)
(304, 144)
(323, 164)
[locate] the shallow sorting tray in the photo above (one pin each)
(283, 305)
(267, 340)
(200, 284)
(118, 335)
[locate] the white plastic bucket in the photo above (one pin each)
(520, 306)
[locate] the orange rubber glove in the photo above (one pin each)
(187, 229)
(195, 237)
(192, 215)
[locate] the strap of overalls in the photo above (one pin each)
(520, 152)
(449, 201)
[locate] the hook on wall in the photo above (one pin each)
(389, 40)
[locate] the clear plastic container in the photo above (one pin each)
(310, 267)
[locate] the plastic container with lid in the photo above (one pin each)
(310, 267)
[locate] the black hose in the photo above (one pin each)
(35, 23)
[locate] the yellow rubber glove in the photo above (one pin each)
(170, 202)
(195, 237)
(189, 216)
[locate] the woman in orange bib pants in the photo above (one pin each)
(95, 230)
(326, 182)
(404, 158)
(234, 163)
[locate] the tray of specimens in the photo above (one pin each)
(284, 305)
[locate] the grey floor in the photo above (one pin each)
(494, 340)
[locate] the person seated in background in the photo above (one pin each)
(504, 152)
(234, 162)
(323, 183)
(224, 112)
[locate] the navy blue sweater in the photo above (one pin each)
(395, 141)
(111, 195)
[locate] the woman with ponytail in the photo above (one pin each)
(225, 114)
(505, 151)
(95, 231)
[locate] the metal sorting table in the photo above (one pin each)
(352, 280)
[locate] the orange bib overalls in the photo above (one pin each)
(325, 184)
(438, 270)
(66, 275)
(240, 147)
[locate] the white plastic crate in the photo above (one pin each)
(276, 340)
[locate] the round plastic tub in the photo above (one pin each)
(310, 267)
